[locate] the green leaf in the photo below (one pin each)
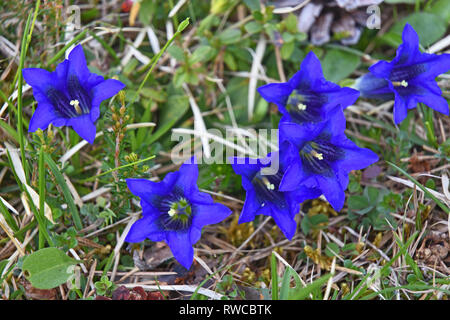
(252, 4)
(373, 193)
(332, 249)
(442, 9)
(176, 107)
(203, 54)
(48, 268)
(430, 27)
(229, 60)
(302, 293)
(260, 111)
(274, 273)
(291, 23)
(253, 27)
(65, 190)
(357, 202)
(338, 64)
(287, 49)
(230, 36)
(176, 52)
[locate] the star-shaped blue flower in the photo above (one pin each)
(69, 96)
(263, 195)
(409, 78)
(174, 211)
(308, 96)
(322, 158)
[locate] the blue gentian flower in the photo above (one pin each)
(174, 211)
(322, 158)
(409, 78)
(263, 195)
(69, 96)
(307, 96)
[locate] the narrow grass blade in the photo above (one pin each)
(66, 192)
(274, 271)
(417, 183)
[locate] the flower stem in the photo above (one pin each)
(19, 97)
(155, 59)
(41, 169)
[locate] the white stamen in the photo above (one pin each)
(301, 106)
(270, 186)
(172, 212)
(76, 105)
(317, 155)
(402, 83)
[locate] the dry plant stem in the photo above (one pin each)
(279, 64)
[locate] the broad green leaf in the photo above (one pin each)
(176, 107)
(357, 202)
(252, 4)
(203, 54)
(442, 9)
(253, 27)
(430, 27)
(287, 49)
(176, 52)
(260, 111)
(48, 268)
(291, 23)
(338, 64)
(230, 36)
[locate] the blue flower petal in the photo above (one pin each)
(247, 168)
(381, 69)
(78, 66)
(299, 134)
(336, 125)
(332, 191)
(195, 234)
(400, 108)
(373, 87)
(187, 179)
(435, 102)
(342, 97)
(142, 228)
(84, 126)
(409, 49)
(300, 195)
(181, 247)
(42, 117)
(293, 177)
(434, 65)
(284, 220)
(251, 206)
(275, 92)
(39, 78)
(355, 158)
(149, 210)
(209, 214)
(61, 74)
(147, 190)
(310, 74)
(103, 91)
